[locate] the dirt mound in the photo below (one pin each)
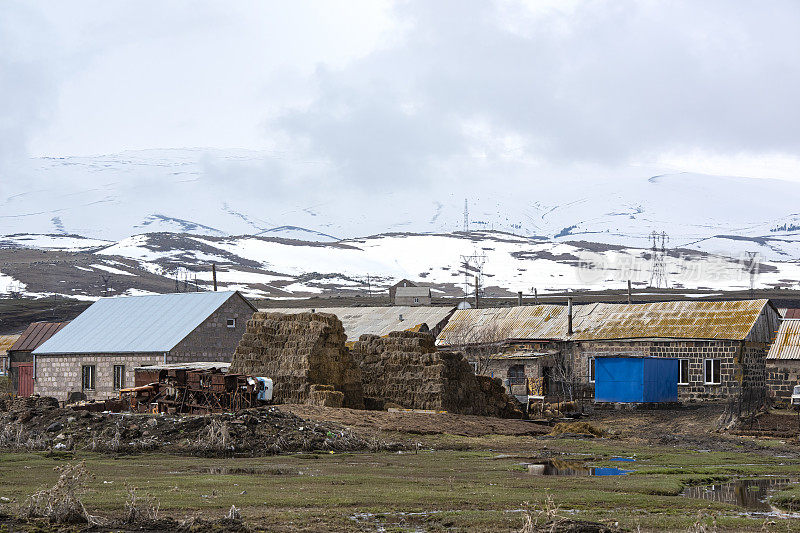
(298, 351)
(404, 368)
(256, 432)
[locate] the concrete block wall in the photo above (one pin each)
(213, 340)
(782, 376)
(741, 364)
(59, 375)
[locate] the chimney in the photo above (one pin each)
(476, 292)
(569, 316)
(629, 291)
(519, 298)
(214, 274)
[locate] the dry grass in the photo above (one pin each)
(61, 504)
(577, 428)
(141, 509)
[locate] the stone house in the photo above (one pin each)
(402, 283)
(95, 355)
(721, 346)
(20, 359)
(783, 360)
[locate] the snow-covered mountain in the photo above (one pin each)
(285, 268)
(226, 193)
(138, 220)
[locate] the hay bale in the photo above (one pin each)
(298, 351)
(325, 396)
(405, 369)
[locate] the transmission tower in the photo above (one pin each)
(466, 216)
(106, 283)
(473, 268)
(752, 269)
(658, 276)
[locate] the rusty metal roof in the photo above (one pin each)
(731, 320)
(379, 321)
(787, 343)
(791, 313)
(6, 341)
(35, 334)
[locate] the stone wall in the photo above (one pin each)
(213, 340)
(782, 376)
(60, 375)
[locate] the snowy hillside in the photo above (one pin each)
(285, 268)
(225, 193)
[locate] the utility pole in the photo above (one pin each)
(535, 296)
(629, 291)
(214, 275)
(466, 216)
(476, 292)
(519, 298)
(369, 287)
(752, 268)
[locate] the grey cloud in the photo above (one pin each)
(603, 84)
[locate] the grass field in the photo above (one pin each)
(441, 490)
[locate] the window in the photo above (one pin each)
(711, 372)
(231, 323)
(3, 365)
(119, 377)
(88, 377)
(683, 371)
(516, 375)
(591, 370)
(416, 300)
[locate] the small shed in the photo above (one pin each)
(636, 379)
(413, 296)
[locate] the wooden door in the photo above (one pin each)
(25, 379)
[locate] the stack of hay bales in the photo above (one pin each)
(299, 351)
(404, 368)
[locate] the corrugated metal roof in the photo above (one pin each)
(787, 343)
(36, 334)
(152, 323)
(6, 342)
(410, 292)
(379, 321)
(601, 321)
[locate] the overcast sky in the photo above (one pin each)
(408, 92)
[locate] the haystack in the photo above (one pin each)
(298, 351)
(404, 368)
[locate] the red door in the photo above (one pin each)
(25, 371)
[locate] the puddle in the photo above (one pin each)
(555, 467)
(623, 459)
(749, 494)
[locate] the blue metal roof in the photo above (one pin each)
(152, 323)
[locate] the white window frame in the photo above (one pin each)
(591, 370)
(706, 380)
(416, 300)
(118, 385)
(92, 370)
(681, 362)
(231, 323)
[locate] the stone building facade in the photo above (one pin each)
(721, 346)
(783, 360)
(95, 374)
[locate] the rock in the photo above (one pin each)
(55, 426)
(71, 419)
